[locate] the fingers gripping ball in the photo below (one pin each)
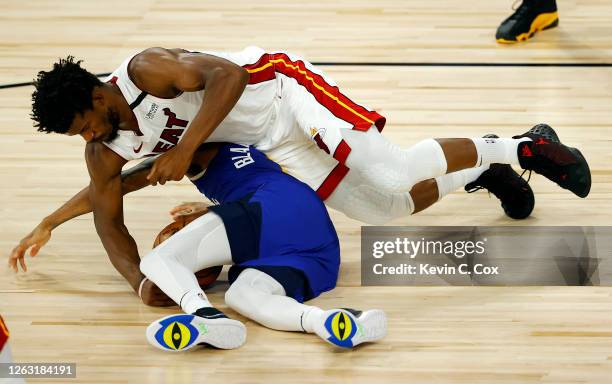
(206, 276)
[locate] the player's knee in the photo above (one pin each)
(248, 304)
(247, 301)
(428, 156)
(231, 296)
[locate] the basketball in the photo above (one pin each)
(206, 276)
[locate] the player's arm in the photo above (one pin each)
(132, 179)
(167, 73)
(105, 194)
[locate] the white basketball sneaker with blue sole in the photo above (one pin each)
(177, 333)
(347, 327)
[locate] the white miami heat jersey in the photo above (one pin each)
(163, 122)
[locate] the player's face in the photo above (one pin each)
(96, 125)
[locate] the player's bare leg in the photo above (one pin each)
(501, 180)
(382, 164)
(424, 194)
(376, 206)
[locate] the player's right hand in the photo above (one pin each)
(187, 209)
(34, 241)
(153, 296)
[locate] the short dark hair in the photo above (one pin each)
(60, 94)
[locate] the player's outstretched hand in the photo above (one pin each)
(171, 165)
(187, 209)
(34, 241)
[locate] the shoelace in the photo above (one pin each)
(520, 10)
(529, 176)
(478, 188)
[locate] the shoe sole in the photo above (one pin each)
(546, 131)
(177, 333)
(542, 22)
(583, 172)
(343, 329)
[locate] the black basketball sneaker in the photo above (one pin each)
(530, 17)
(207, 325)
(509, 187)
(546, 155)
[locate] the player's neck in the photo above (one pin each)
(127, 119)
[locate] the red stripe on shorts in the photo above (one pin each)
(327, 95)
(337, 174)
(331, 181)
(342, 151)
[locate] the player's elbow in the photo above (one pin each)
(106, 226)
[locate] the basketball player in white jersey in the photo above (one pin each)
(167, 102)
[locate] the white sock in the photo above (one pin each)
(310, 317)
(497, 150)
(194, 300)
(452, 181)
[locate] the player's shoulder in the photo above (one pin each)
(102, 161)
(156, 69)
(152, 60)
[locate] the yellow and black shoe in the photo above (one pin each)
(530, 17)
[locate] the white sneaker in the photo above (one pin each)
(177, 333)
(347, 327)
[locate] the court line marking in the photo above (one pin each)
(406, 64)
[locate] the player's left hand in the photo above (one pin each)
(171, 165)
(185, 210)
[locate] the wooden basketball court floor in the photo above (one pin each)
(71, 306)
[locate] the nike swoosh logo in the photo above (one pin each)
(136, 150)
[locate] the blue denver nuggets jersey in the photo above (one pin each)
(274, 222)
(236, 171)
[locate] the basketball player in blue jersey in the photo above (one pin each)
(274, 231)
(284, 249)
